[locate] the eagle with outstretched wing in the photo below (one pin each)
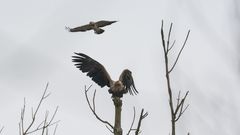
(99, 75)
(92, 26)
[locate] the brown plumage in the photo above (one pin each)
(99, 75)
(92, 26)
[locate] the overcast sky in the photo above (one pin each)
(36, 49)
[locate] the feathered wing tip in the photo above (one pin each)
(103, 23)
(133, 90)
(79, 59)
(94, 69)
(82, 28)
(127, 80)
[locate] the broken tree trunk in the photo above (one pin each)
(118, 108)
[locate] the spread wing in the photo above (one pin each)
(80, 28)
(94, 69)
(104, 23)
(127, 80)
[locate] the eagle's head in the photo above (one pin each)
(91, 23)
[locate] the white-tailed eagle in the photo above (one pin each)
(92, 26)
(99, 75)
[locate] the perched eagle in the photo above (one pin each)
(92, 26)
(99, 75)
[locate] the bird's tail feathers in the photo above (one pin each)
(98, 31)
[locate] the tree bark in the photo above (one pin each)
(118, 108)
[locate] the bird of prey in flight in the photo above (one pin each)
(92, 26)
(99, 75)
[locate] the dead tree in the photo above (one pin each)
(43, 126)
(115, 129)
(178, 109)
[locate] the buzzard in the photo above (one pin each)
(99, 75)
(92, 26)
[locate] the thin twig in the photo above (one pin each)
(178, 98)
(92, 109)
(47, 131)
(55, 129)
(94, 95)
(1, 130)
(40, 128)
(181, 104)
(53, 116)
(44, 125)
(179, 52)
(22, 116)
(134, 113)
(181, 112)
(171, 45)
(142, 116)
(19, 129)
(109, 129)
(163, 41)
(169, 34)
(45, 122)
(39, 104)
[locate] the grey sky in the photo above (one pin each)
(36, 49)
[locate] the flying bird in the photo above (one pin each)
(99, 75)
(92, 26)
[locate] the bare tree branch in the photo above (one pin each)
(109, 129)
(181, 106)
(163, 40)
(180, 52)
(41, 126)
(130, 129)
(19, 129)
(94, 95)
(1, 130)
(22, 116)
(181, 112)
(35, 113)
(178, 98)
(169, 34)
(172, 45)
(168, 78)
(44, 125)
(55, 129)
(92, 108)
(176, 112)
(142, 116)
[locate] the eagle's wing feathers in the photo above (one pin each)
(127, 80)
(94, 69)
(104, 23)
(80, 28)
